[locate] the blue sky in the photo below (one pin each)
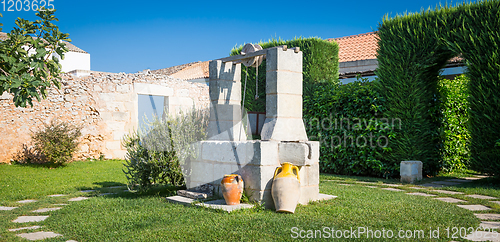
(129, 36)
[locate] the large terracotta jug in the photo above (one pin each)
(286, 188)
(232, 189)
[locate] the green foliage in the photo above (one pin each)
(54, 144)
(347, 121)
(156, 153)
(320, 64)
(27, 62)
(455, 114)
(412, 50)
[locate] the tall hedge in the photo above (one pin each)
(412, 50)
(320, 64)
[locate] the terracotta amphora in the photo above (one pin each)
(286, 188)
(232, 188)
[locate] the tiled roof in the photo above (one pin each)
(190, 71)
(357, 47)
(71, 47)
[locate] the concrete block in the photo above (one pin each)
(284, 82)
(153, 89)
(225, 90)
(308, 194)
(219, 70)
(411, 171)
(284, 106)
(277, 59)
(113, 145)
(284, 129)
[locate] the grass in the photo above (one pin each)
(148, 217)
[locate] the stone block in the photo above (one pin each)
(181, 101)
(284, 82)
(283, 106)
(113, 145)
(201, 173)
(115, 106)
(284, 129)
(308, 194)
(118, 135)
(121, 116)
(153, 89)
(224, 152)
(219, 70)
(226, 131)
(261, 196)
(116, 126)
(183, 93)
(107, 97)
(263, 153)
(411, 171)
(225, 90)
(119, 154)
(258, 177)
(296, 153)
(309, 175)
(123, 88)
(220, 170)
(229, 112)
(119, 97)
(277, 59)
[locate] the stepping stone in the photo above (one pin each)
(484, 236)
(87, 191)
(497, 202)
(372, 186)
(474, 207)
(57, 195)
(26, 219)
(420, 194)
(342, 184)
(39, 235)
(447, 192)
(107, 193)
(2, 208)
(76, 199)
(487, 216)
(116, 187)
(44, 210)
(480, 196)
(450, 200)
(392, 189)
(363, 182)
(458, 180)
(489, 224)
(27, 201)
(23, 228)
(392, 185)
(446, 183)
(419, 188)
(473, 178)
(431, 185)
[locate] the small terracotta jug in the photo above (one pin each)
(232, 188)
(286, 188)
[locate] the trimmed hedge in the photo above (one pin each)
(412, 50)
(347, 120)
(321, 63)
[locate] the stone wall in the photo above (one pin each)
(104, 104)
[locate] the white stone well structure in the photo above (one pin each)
(283, 137)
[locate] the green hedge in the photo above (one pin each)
(347, 120)
(412, 50)
(321, 63)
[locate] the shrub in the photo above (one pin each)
(347, 121)
(157, 152)
(54, 144)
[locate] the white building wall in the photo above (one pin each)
(75, 61)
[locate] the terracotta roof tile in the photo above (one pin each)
(357, 47)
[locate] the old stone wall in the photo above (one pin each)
(105, 105)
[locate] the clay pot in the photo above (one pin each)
(286, 188)
(232, 189)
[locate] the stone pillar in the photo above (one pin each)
(283, 96)
(225, 102)
(410, 171)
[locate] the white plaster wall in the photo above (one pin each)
(75, 61)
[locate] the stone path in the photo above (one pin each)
(39, 235)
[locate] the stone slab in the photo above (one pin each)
(27, 201)
(418, 188)
(26, 219)
(343, 184)
(490, 224)
(497, 202)
(484, 236)
(447, 192)
(487, 216)
(392, 189)
(76, 199)
(57, 195)
(87, 191)
(450, 200)
(475, 207)
(363, 182)
(215, 204)
(420, 194)
(372, 186)
(44, 210)
(39, 235)
(324, 197)
(392, 185)
(2, 208)
(192, 194)
(473, 178)
(480, 196)
(458, 180)
(180, 199)
(23, 228)
(446, 183)
(432, 185)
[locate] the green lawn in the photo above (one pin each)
(148, 217)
